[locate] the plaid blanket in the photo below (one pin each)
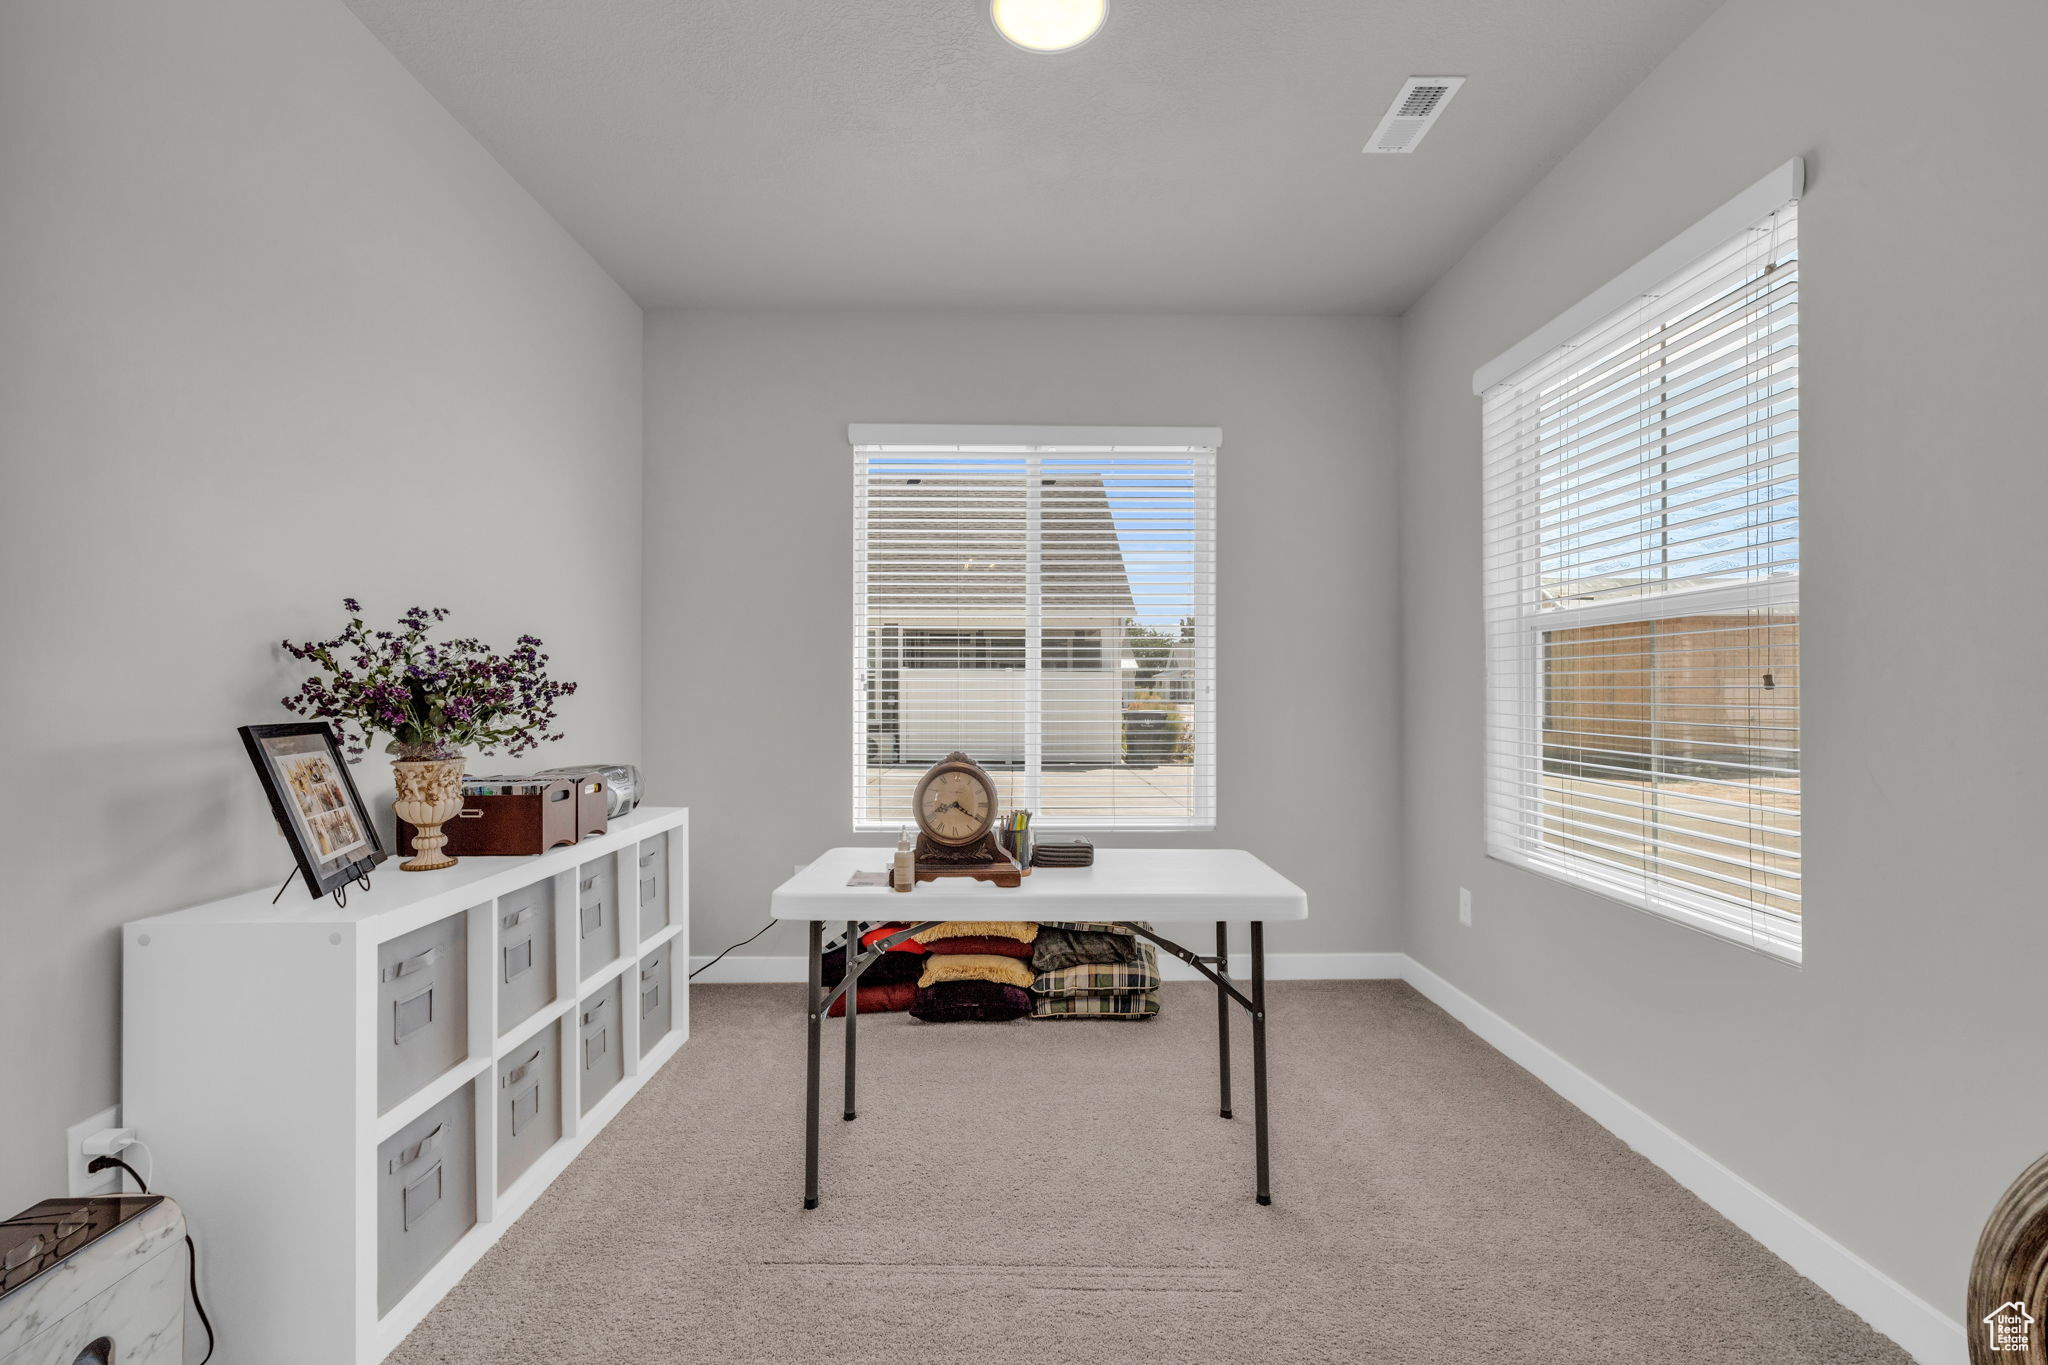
(1100, 978)
(1087, 926)
(1056, 948)
(1137, 1005)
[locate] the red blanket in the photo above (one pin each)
(880, 999)
(1000, 947)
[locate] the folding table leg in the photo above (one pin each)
(1223, 1012)
(817, 1023)
(852, 998)
(1259, 1057)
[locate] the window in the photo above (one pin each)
(963, 649)
(1043, 600)
(1073, 649)
(998, 649)
(1641, 533)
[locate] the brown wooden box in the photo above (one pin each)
(511, 826)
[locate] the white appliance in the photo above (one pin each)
(93, 1282)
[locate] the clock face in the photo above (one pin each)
(955, 807)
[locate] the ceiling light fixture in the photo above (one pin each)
(1048, 25)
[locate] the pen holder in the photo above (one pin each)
(1017, 843)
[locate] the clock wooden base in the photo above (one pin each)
(983, 860)
(1006, 873)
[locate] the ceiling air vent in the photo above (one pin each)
(1413, 110)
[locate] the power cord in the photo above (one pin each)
(741, 944)
(101, 1163)
(151, 1167)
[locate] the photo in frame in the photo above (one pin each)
(315, 802)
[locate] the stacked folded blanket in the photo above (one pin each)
(976, 970)
(1093, 971)
(889, 985)
(991, 971)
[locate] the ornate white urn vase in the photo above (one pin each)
(429, 793)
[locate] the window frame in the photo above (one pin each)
(1200, 446)
(1514, 635)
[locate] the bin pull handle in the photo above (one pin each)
(423, 1147)
(518, 1073)
(417, 963)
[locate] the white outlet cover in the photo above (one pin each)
(1464, 906)
(81, 1182)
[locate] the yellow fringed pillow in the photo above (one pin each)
(968, 928)
(1011, 971)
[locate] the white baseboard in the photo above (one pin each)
(1299, 967)
(1927, 1334)
(1279, 967)
(733, 971)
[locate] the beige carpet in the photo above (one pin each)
(1065, 1192)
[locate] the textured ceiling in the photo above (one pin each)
(1198, 155)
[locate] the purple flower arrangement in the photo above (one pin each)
(434, 698)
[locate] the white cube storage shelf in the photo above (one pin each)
(352, 1104)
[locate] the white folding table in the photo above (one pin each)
(1132, 887)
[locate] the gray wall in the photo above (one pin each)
(749, 559)
(1889, 1088)
(277, 331)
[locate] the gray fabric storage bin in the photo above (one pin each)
(526, 952)
(529, 1104)
(601, 1047)
(657, 1012)
(597, 914)
(422, 1007)
(652, 871)
(426, 1194)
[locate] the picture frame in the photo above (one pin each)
(317, 806)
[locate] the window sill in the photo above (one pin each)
(1770, 941)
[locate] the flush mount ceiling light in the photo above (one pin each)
(1048, 25)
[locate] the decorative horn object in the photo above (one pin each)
(2009, 1277)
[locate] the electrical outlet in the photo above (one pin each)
(1464, 907)
(81, 1181)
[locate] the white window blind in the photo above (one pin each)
(1046, 604)
(1641, 541)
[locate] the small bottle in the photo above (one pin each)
(906, 862)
